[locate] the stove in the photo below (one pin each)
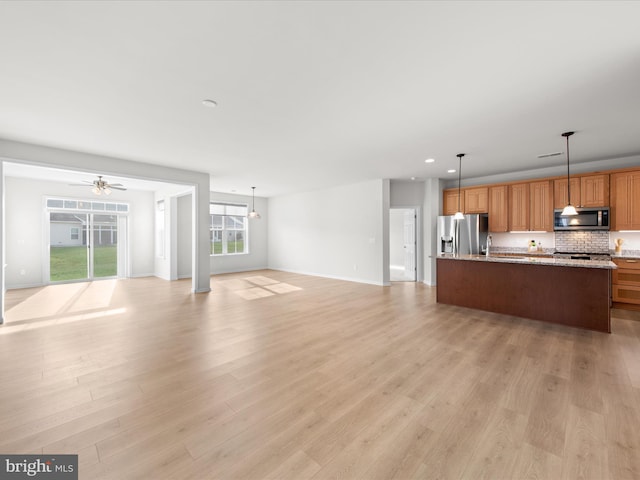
(583, 255)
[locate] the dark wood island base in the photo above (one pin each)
(573, 296)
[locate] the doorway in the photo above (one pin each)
(84, 246)
(402, 244)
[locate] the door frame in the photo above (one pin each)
(123, 266)
(419, 240)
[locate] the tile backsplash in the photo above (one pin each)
(593, 242)
(589, 241)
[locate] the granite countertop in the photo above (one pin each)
(627, 254)
(529, 259)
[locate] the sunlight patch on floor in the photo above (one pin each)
(63, 298)
(257, 286)
(32, 324)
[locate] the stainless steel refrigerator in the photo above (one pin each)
(463, 237)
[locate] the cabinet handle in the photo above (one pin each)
(632, 261)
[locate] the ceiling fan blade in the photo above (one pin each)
(116, 188)
(115, 185)
(79, 184)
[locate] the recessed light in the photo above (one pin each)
(430, 160)
(413, 178)
(452, 170)
(209, 103)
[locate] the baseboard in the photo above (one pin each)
(333, 277)
(26, 285)
(239, 270)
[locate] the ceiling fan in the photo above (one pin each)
(100, 186)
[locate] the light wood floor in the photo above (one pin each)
(277, 375)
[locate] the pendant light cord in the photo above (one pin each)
(567, 135)
(253, 199)
(460, 155)
(568, 177)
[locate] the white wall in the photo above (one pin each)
(341, 232)
(25, 228)
(406, 194)
(256, 259)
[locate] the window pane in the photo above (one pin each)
(216, 222)
(111, 207)
(53, 203)
(70, 204)
(216, 242)
(234, 223)
(239, 242)
(84, 205)
(231, 242)
(123, 208)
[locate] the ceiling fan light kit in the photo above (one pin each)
(100, 186)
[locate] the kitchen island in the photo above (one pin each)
(576, 293)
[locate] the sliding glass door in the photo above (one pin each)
(82, 246)
(104, 261)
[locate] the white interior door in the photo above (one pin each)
(410, 245)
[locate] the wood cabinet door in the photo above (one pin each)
(594, 191)
(560, 198)
(476, 200)
(541, 206)
(519, 207)
(450, 202)
(498, 209)
(625, 201)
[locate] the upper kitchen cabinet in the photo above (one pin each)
(541, 216)
(594, 191)
(560, 199)
(498, 209)
(476, 200)
(586, 191)
(450, 202)
(519, 206)
(625, 201)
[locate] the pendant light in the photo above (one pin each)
(569, 209)
(459, 215)
(253, 213)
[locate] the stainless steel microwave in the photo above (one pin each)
(586, 219)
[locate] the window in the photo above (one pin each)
(228, 228)
(64, 204)
(160, 228)
(75, 233)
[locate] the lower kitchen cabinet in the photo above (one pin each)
(625, 283)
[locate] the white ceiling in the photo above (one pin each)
(314, 94)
